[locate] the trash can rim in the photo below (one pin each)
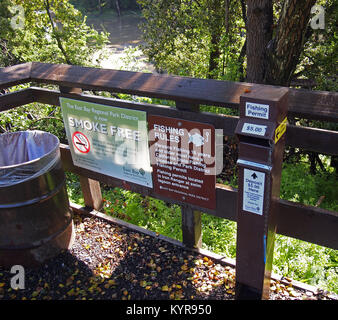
(36, 159)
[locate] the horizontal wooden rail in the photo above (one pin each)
(307, 223)
(307, 104)
(11, 76)
(303, 222)
(310, 139)
(16, 99)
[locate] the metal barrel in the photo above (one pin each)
(36, 222)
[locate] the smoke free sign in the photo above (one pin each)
(108, 140)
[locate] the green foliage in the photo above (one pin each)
(57, 35)
(94, 5)
(74, 188)
(54, 31)
(306, 262)
(150, 213)
(219, 235)
(33, 116)
(319, 61)
(192, 38)
(300, 186)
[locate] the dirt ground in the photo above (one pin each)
(111, 262)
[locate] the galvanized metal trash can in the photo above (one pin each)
(36, 222)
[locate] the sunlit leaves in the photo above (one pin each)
(178, 36)
(38, 40)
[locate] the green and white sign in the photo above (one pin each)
(109, 140)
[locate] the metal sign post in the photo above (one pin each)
(261, 134)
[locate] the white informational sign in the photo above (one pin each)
(253, 191)
(108, 140)
(257, 110)
(252, 128)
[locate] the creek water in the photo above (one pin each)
(122, 52)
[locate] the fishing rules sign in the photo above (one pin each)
(108, 140)
(183, 157)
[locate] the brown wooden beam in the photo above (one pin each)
(191, 227)
(310, 139)
(16, 99)
(224, 122)
(307, 223)
(191, 219)
(320, 105)
(303, 103)
(91, 191)
(322, 225)
(11, 76)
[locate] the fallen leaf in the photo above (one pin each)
(294, 294)
(184, 267)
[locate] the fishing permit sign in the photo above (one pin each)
(183, 157)
(108, 140)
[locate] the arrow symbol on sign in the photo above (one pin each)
(254, 176)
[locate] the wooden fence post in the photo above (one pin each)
(261, 134)
(191, 219)
(91, 189)
(191, 227)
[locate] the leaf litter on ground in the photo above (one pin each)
(108, 261)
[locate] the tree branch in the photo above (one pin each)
(243, 6)
(241, 61)
(289, 42)
(58, 40)
(44, 118)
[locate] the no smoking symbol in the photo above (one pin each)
(81, 142)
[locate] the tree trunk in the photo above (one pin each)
(216, 10)
(240, 60)
(242, 54)
(117, 4)
(288, 43)
(259, 34)
(99, 4)
(214, 55)
(273, 60)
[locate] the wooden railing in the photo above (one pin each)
(308, 223)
